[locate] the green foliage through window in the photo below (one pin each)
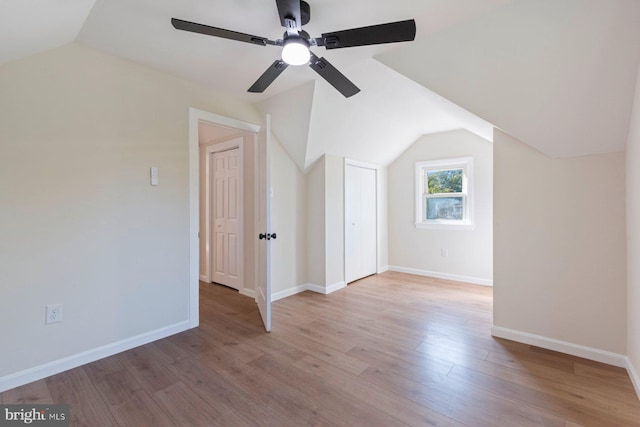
(444, 181)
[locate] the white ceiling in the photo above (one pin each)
(32, 26)
(557, 75)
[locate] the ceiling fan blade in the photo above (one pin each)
(268, 76)
(193, 27)
(290, 10)
(392, 32)
(333, 76)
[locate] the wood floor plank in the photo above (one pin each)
(468, 403)
(391, 349)
(186, 408)
(223, 396)
(112, 380)
(516, 358)
(144, 364)
(401, 408)
(230, 343)
(141, 410)
(617, 378)
(423, 370)
(326, 353)
(573, 406)
(262, 388)
(339, 409)
(86, 406)
(168, 351)
(557, 380)
(35, 393)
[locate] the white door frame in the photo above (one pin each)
(195, 117)
(218, 147)
(376, 168)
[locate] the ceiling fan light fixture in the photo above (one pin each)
(296, 51)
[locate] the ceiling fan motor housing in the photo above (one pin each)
(305, 12)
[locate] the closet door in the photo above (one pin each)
(360, 222)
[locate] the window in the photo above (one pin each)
(444, 196)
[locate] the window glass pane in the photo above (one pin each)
(444, 181)
(445, 208)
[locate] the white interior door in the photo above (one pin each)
(263, 268)
(226, 212)
(360, 222)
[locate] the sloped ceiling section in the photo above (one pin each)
(376, 126)
(383, 120)
(290, 117)
(31, 26)
(557, 75)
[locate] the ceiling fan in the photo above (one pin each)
(296, 43)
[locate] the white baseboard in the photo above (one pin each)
(288, 292)
(248, 293)
(325, 290)
(204, 278)
(55, 367)
(633, 374)
(446, 276)
(316, 288)
(383, 269)
(335, 287)
(578, 350)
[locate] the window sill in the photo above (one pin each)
(445, 226)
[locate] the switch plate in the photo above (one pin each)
(444, 252)
(154, 175)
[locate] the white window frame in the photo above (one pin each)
(464, 163)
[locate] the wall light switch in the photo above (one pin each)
(154, 175)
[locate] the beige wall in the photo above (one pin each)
(633, 240)
(79, 223)
(315, 188)
(325, 223)
(559, 245)
(248, 143)
(288, 221)
(334, 216)
(470, 251)
(383, 219)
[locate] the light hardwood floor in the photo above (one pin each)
(389, 350)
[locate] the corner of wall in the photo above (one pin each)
(633, 240)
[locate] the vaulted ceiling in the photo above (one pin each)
(556, 75)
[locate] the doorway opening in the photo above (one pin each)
(220, 134)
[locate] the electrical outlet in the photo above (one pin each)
(54, 313)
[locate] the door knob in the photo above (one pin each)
(273, 236)
(262, 236)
